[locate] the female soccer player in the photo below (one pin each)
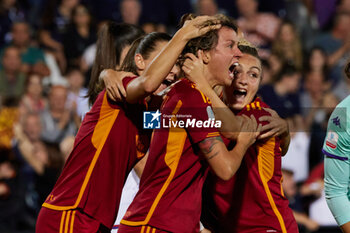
(252, 201)
(86, 195)
(336, 163)
(169, 199)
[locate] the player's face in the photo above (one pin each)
(247, 77)
(173, 73)
(169, 79)
(223, 57)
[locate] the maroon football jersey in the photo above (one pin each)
(106, 148)
(253, 200)
(171, 184)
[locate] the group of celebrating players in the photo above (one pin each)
(228, 179)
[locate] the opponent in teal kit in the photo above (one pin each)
(337, 165)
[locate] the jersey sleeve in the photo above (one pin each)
(200, 113)
(336, 144)
(336, 188)
(192, 111)
(127, 80)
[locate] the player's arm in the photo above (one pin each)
(160, 67)
(223, 162)
(346, 227)
(336, 188)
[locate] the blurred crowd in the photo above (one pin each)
(47, 48)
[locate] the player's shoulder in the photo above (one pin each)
(186, 91)
(256, 108)
(340, 116)
(128, 79)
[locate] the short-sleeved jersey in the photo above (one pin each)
(337, 162)
(337, 141)
(253, 200)
(106, 148)
(169, 197)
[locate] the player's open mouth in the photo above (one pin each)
(167, 82)
(231, 70)
(239, 94)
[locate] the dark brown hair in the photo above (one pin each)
(112, 39)
(208, 40)
(144, 46)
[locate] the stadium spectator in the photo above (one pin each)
(13, 216)
(33, 100)
(77, 93)
(130, 11)
(259, 28)
(206, 7)
(10, 12)
(33, 59)
(54, 23)
(79, 35)
(58, 120)
(282, 95)
(276, 63)
(287, 45)
(336, 43)
(12, 80)
(290, 190)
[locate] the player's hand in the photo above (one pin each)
(193, 28)
(113, 81)
(249, 131)
(276, 125)
(194, 70)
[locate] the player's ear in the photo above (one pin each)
(206, 57)
(140, 63)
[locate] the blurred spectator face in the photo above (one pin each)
(75, 79)
(34, 86)
(81, 15)
(247, 8)
(275, 64)
(287, 34)
(130, 11)
(41, 153)
(57, 98)
(11, 60)
(70, 3)
(292, 82)
(343, 23)
(317, 59)
(7, 4)
(32, 127)
(207, 7)
(20, 34)
(344, 5)
(314, 83)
